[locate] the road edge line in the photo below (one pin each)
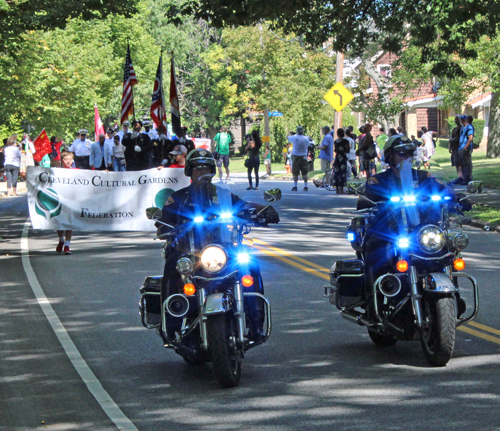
(93, 384)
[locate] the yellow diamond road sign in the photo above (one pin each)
(338, 96)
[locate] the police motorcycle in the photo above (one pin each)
(220, 288)
(416, 295)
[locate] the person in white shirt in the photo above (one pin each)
(12, 164)
(299, 157)
(119, 162)
(125, 130)
(429, 149)
(81, 149)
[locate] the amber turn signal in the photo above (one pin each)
(459, 264)
(402, 266)
(247, 280)
(189, 289)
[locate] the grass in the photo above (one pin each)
(487, 214)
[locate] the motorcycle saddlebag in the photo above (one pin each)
(348, 276)
(150, 299)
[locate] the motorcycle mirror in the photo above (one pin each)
(475, 187)
(354, 187)
(272, 195)
(153, 213)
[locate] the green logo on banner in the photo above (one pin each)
(48, 204)
(162, 196)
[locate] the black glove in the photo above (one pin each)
(271, 215)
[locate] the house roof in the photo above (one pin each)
(480, 100)
(425, 96)
(431, 100)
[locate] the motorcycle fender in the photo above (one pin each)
(439, 283)
(214, 304)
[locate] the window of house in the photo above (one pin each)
(384, 70)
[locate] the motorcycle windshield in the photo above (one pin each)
(225, 229)
(420, 198)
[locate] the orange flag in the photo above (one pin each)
(42, 146)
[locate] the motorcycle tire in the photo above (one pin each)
(225, 352)
(438, 339)
(381, 340)
(328, 180)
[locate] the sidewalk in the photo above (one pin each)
(21, 188)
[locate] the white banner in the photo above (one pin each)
(97, 200)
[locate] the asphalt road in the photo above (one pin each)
(316, 372)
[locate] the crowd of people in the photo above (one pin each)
(342, 154)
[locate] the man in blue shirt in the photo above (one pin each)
(326, 149)
(465, 149)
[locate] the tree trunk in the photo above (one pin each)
(493, 148)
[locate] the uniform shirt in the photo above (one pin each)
(81, 148)
(327, 154)
(121, 133)
(152, 134)
(465, 132)
(300, 144)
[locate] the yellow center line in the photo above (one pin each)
(289, 258)
(479, 334)
(484, 328)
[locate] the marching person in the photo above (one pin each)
(81, 150)
(100, 155)
(137, 146)
(154, 137)
(65, 235)
(178, 154)
(119, 161)
(125, 130)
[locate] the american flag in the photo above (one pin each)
(129, 80)
(158, 114)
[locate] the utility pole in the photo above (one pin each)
(339, 77)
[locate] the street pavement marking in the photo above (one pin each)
(291, 256)
(276, 252)
(93, 384)
(479, 334)
(485, 328)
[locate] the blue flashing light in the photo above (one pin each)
(403, 242)
(435, 198)
(447, 198)
(226, 215)
(351, 236)
(395, 199)
(409, 198)
(198, 219)
(243, 258)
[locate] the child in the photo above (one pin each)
(65, 235)
(419, 153)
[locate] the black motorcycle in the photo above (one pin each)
(417, 295)
(211, 317)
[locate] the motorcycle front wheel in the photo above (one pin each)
(438, 339)
(224, 349)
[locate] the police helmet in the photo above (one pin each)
(198, 157)
(397, 143)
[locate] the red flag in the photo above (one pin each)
(158, 114)
(129, 80)
(174, 102)
(99, 128)
(42, 146)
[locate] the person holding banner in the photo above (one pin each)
(81, 149)
(65, 235)
(100, 155)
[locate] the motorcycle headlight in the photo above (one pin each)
(213, 259)
(184, 266)
(431, 239)
(459, 241)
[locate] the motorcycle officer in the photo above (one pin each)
(202, 195)
(399, 179)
